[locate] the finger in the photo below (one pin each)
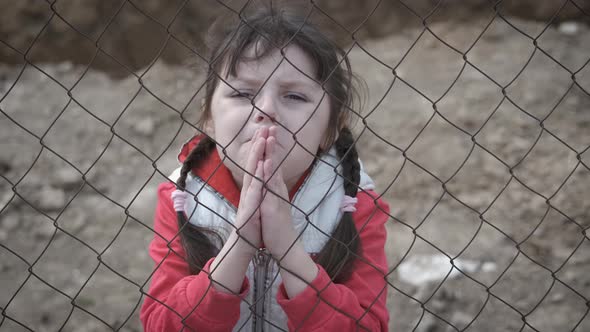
(272, 131)
(255, 189)
(280, 183)
(272, 154)
(256, 152)
(252, 196)
(269, 152)
(263, 132)
(274, 176)
(267, 165)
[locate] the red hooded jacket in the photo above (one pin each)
(177, 299)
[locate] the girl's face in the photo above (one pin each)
(285, 98)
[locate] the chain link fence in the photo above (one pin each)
(475, 132)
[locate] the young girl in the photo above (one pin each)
(271, 222)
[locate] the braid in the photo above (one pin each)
(200, 152)
(336, 257)
(351, 168)
(198, 247)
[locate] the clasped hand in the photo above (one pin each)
(264, 214)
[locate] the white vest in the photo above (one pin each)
(319, 196)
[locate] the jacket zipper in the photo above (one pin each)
(261, 260)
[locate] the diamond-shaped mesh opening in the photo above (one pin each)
(559, 298)
(118, 30)
(568, 114)
(138, 125)
(509, 133)
(14, 104)
(128, 244)
(108, 219)
(92, 137)
(114, 308)
(555, 171)
(48, 48)
(472, 125)
(519, 299)
(444, 74)
(107, 172)
(522, 90)
(483, 54)
(452, 216)
(516, 220)
(499, 315)
(425, 196)
(485, 177)
(79, 262)
(32, 317)
(574, 186)
(400, 104)
(14, 272)
(470, 101)
(59, 188)
(427, 150)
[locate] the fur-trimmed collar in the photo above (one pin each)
(219, 177)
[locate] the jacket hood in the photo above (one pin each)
(218, 176)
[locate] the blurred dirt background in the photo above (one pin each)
(475, 128)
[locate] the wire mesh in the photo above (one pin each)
(492, 234)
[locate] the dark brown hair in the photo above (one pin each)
(271, 30)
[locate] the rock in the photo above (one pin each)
(51, 199)
(488, 267)
(145, 126)
(3, 235)
(460, 320)
(427, 324)
(578, 259)
(75, 223)
(44, 230)
(421, 269)
(6, 197)
(438, 305)
(557, 298)
(570, 276)
(10, 222)
(136, 38)
(543, 10)
(5, 166)
(569, 28)
(67, 178)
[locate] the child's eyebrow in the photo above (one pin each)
(288, 84)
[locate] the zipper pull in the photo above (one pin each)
(261, 257)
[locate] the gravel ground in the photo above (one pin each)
(497, 179)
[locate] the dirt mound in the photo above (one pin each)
(481, 160)
(132, 34)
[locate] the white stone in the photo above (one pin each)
(145, 126)
(421, 269)
(10, 222)
(67, 177)
(488, 267)
(569, 28)
(6, 197)
(51, 199)
(44, 229)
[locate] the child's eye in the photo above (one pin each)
(295, 97)
(242, 94)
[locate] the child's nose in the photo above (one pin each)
(265, 110)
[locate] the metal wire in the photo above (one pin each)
(425, 305)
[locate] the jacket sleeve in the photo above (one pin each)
(176, 299)
(359, 303)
